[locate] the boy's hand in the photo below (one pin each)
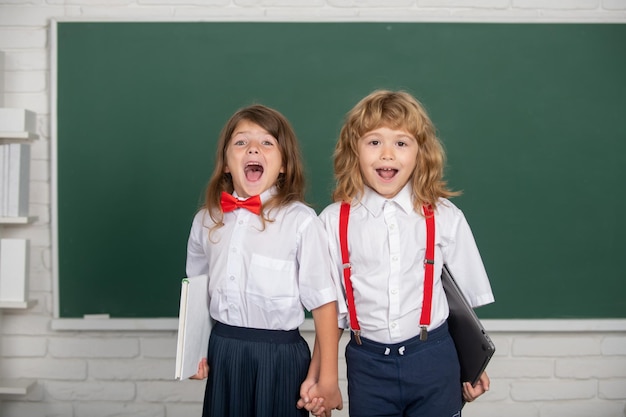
(470, 393)
(203, 370)
(330, 395)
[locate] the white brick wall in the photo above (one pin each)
(104, 373)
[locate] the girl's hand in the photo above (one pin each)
(313, 405)
(470, 393)
(203, 370)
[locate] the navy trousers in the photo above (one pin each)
(255, 372)
(409, 379)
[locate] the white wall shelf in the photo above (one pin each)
(15, 386)
(16, 305)
(17, 220)
(18, 136)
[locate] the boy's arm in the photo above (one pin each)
(471, 393)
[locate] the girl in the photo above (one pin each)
(389, 164)
(266, 256)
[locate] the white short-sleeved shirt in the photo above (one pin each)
(263, 278)
(387, 245)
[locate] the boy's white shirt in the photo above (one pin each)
(387, 242)
(262, 278)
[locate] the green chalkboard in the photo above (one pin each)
(533, 117)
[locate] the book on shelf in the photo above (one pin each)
(14, 261)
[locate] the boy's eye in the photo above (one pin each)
(401, 144)
(375, 142)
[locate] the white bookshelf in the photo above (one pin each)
(18, 386)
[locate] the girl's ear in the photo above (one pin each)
(226, 169)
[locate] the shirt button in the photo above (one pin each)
(394, 258)
(240, 221)
(393, 325)
(392, 226)
(232, 278)
(394, 291)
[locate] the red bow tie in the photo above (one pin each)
(230, 203)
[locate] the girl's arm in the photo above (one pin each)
(203, 370)
(322, 379)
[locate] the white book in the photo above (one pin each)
(5, 178)
(1, 78)
(194, 326)
(14, 254)
(17, 120)
(19, 180)
(2, 174)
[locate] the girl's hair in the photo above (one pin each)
(395, 110)
(290, 183)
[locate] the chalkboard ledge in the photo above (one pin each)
(491, 325)
(554, 325)
(108, 324)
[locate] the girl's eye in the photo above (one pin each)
(375, 142)
(401, 144)
(239, 142)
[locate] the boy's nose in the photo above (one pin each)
(386, 153)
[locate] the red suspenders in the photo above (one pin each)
(429, 263)
(429, 266)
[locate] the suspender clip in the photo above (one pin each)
(347, 265)
(423, 334)
(429, 261)
(357, 336)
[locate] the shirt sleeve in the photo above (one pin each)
(315, 281)
(463, 258)
(197, 261)
(331, 226)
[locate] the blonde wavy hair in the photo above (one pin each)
(395, 110)
(290, 184)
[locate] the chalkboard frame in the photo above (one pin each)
(474, 192)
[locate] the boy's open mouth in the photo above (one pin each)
(387, 173)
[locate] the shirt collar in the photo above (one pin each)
(374, 202)
(265, 195)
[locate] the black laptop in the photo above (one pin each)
(473, 345)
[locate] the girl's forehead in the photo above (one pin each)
(247, 126)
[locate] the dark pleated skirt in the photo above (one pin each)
(255, 372)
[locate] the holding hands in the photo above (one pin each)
(319, 399)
